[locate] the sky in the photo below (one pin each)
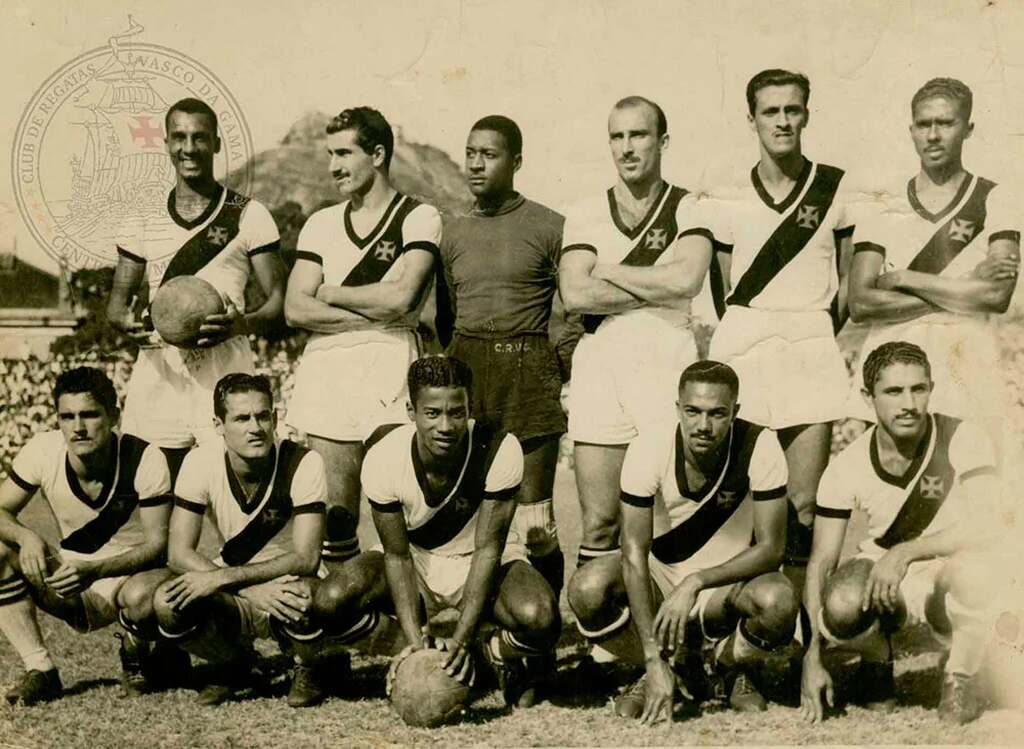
(557, 67)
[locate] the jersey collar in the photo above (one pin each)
(787, 201)
(924, 213)
(635, 231)
(202, 217)
(350, 230)
(432, 498)
(246, 503)
(110, 474)
(922, 450)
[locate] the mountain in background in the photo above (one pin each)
(295, 172)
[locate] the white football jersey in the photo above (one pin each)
(256, 529)
(109, 524)
(329, 239)
(595, 225)
(216, 246)
(925, 499)
(783, 254)
(394, 480)
(708, 525)
(948, 243)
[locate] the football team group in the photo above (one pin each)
(713, 519)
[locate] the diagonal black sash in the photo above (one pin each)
(954, 235)
(928, 492)
(462, 506)
(274, 514)
(119, 507)
(205, 245)
(384, 253)
(689, 536)
(790, 236)
(378, 434)
(661, 233)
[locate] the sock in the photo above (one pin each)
(741, 647)
(535, 524)
(972, 630)
(505, 645)
(589, 553)
(872, 644)
(618, 641)
(19, 624)
(340, 541)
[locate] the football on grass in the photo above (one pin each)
(180, 306)
(423, 694)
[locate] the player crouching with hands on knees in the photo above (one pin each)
(266, 500)
(927, 483)
(692, 498)
(110, 496)
(443, 492)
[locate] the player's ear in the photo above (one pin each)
(517, 162)
(969, 130)
(736, 410)
(868, 398)
(218, 425)
(410, 409)
(216, 143)
(663, 142)
(751, 123)
(379, 156)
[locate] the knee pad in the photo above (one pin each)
(535, 524)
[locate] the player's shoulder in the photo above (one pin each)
(653, 446)
(542, 213)
(44, 445)
(855, 458)
(327, 215)
(415, 209)
(388, 441)
(821, 169)
(587, 208)
(203, 459)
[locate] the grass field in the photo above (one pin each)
(93, 715)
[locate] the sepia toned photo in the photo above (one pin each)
(490, 374)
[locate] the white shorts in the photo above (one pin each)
(255, 621)
(169, 401)
(668, 576)
(621, 386)
(964, 359)
(790, 368)
(442, 579)
(345, 392)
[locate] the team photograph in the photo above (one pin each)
(392, 431)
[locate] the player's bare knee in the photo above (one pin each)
(590, 593)
(775, 602)
(166, 616)
(969, 581)
(803, 502)
(537, 614)
(136, 599)
(841, 603)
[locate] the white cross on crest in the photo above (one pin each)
(385, 251)
(808, 217)
(656, 239)
(270, 516)
(931, 487)
(217, 235)
(727, 499)
(961, 231)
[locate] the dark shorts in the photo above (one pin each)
(516, 383)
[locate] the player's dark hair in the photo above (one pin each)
(894, 352)
(190, 106)
(777, 77)
(438, 371)
(947, 88)
(371, 128)
(238, 382)
(505, 127)
(713, 372)
(87, 380)
(639, 101)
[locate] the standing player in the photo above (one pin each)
(500, 267)
(110, 495)
(443, 494)
(631, 264)
(215, 234)
(266, 500)
(940, 262)
(693, 497)
(361, 274)
(778, 240)
(927, 484)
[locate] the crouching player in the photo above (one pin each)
(692, 498)
(266, 500)
(110, 496)
(443, 493)
(925, 481)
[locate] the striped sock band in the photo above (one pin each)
(339, 550)
(589, 553)
(13, 589)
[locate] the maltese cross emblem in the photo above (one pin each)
(931, 487)
(217, 235)
(808, 217)
(385, 251)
